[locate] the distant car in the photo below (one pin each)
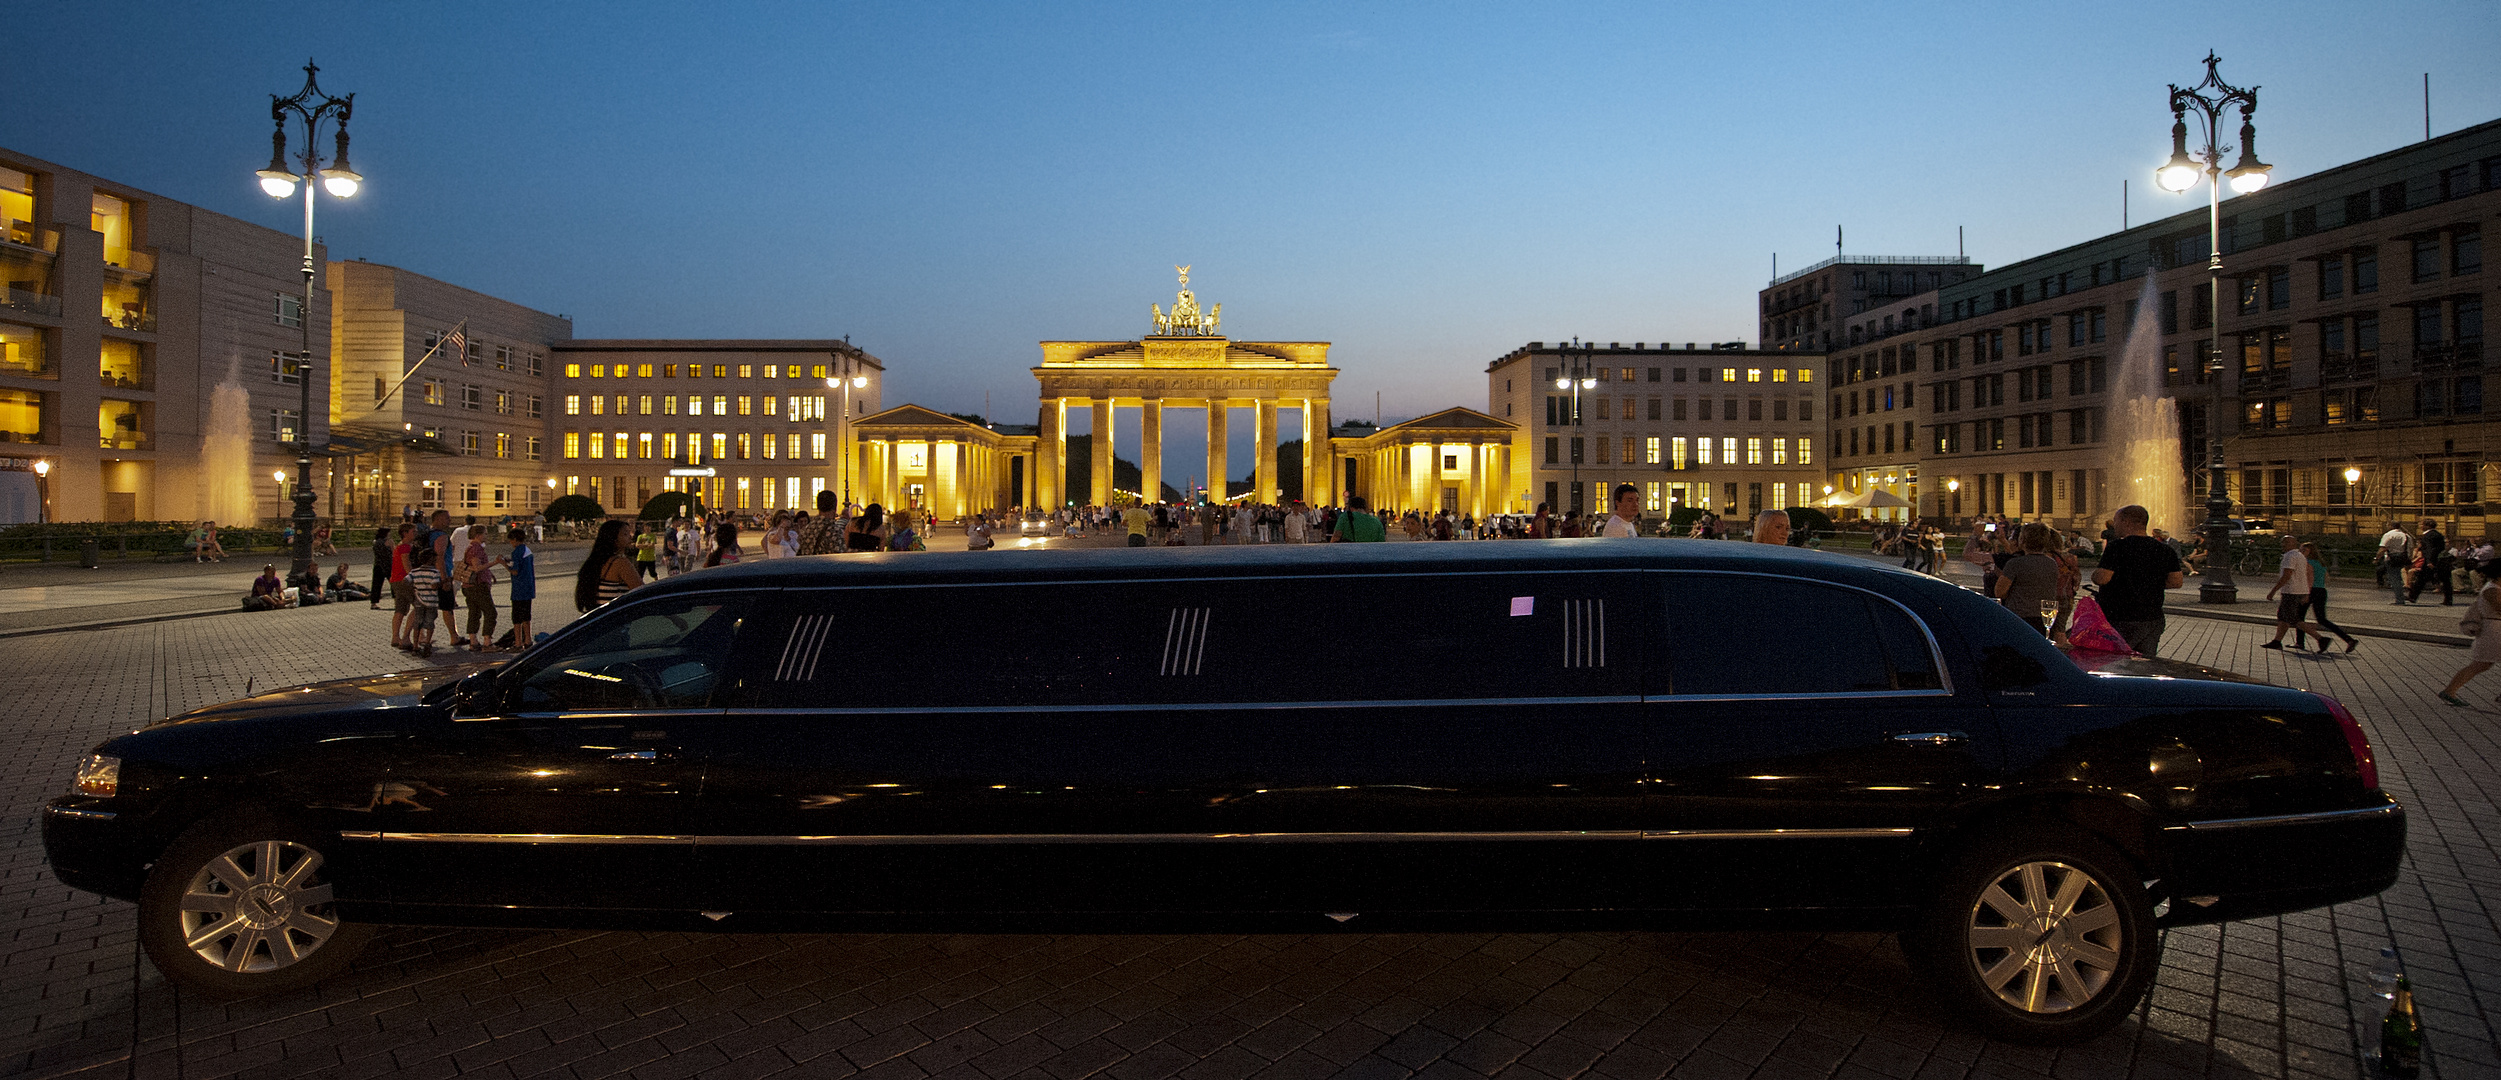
(1035, 523)
(2244, 528)
(1581, 734)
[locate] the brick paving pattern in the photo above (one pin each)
(2271, 997)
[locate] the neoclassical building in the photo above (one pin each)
(1457, 459)
(1184, 364)
(944, 465)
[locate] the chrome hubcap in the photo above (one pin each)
(2045, 937)
(259, 907)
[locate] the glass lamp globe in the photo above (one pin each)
(2178, 176)
(278, 184)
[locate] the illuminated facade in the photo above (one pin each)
(945, 465)
(1720, 428)
(1184, 365)
(1457, 459)
(122, 313)
(744, 424)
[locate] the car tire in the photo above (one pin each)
(2042, 935)
(241, 907)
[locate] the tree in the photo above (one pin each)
(1807, 522)
(1289, 476)
(575, 508)
(669, 504)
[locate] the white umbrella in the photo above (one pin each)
(1870, 499)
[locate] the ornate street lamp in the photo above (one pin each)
(43, 489)
(2353, 494)
(842, 444)
(1575, 379)
(311, 106)
(2209, 99)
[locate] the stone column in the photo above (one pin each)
(1265, 453)
(1216, 436)
(1151, 449)
(1102, 457)
(1050, 453)
(1320, 466)
(892, 484)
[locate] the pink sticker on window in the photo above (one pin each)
(1523, 605)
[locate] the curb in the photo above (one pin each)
(107, 624)
(2458, 641)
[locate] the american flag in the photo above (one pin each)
(458, 343)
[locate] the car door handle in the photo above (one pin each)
(1932, 738)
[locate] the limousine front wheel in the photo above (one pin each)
(245, 908)
(2041, 937)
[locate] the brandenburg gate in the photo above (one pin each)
(1185, 364)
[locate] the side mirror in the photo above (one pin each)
(474, 693)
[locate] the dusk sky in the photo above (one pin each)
(1425, 185)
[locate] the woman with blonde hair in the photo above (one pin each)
(2027, 579)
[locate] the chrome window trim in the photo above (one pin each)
(1192, 706)
(923, 839)
(1936, 654)
(1777, 834)
(2263, 821)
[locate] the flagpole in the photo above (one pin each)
(457, 333)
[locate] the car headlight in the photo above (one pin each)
(98, 775)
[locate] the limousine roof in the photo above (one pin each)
(1222, 561)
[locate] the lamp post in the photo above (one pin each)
(43, 490)
(2353, 480)
(842, 443)
(1575, 379)
(311, 106)
(2178, 175)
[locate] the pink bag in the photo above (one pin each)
(2090, 630)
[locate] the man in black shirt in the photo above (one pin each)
(2134, 571)
(2438, 561)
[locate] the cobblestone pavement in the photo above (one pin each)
(2271, 997)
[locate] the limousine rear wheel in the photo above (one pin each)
(244, 907)
(2042, 936)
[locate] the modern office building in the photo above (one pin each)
(2351, 338)
(441, 399)
(1722, 428)
(143, 346)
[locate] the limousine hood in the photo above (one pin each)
(392, 690)
(2152, 667)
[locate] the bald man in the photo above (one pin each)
(1772, 527)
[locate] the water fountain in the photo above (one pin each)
(2145, 428)
(226, 494)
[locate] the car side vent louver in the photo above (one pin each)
(1185, 640)
(806, 644)
(1584, 633)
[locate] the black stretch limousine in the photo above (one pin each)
(1574, 734)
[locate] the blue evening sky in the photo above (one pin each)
(1426, 185)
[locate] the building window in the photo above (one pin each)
(1806, 451)
(469, 496)
(1676, 453)
(290, 309)
(1753, 450)
(2427, 258)
(282, 425)
(503, 402)
(503, 444)
(469, 444)
(530, 448)
(573, 404)
(503, 362)
(573, 445)
(1554, 450)
(434, 391)
(471, 397)
(1780, 451)
(284, 368)
(2466, 251)
(1650, 450)
(430, 494)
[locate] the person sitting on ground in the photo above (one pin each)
(269, 593)
(343, 588)
(308, 587)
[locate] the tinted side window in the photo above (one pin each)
(666, 654)
(1745, 634)
(1211, 642)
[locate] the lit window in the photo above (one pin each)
(1703, 446)
(1652, 502)
(622, 438)
(1676, 452)
(720, 446)
(1806, 451)
(642, 445)
(599, 446)
(1780, 374)
(742, 487)
(1728, 451)
(746, 445)
(773, 404)
(642, 371)
(599, 371)
(1727, 374)
(1806, 375)
(572, 445)
(503, 444)
(1650, 453)
(816, 448)
(1754, 374)
(599, 404)
(746, 405)
(668, 404)
(772, 371)
(745, 371)
(1753, 450)
(668, 445)
(573, 371)
(1780, 451)
(772, 447)
(720, 404)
